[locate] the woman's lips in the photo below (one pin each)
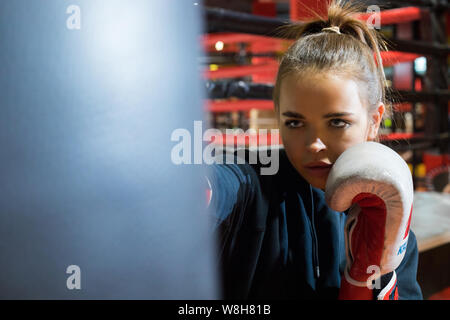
(320, 171)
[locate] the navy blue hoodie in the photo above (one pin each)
(278, 239)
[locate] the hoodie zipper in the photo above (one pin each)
(314, 238)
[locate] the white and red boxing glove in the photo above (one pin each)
(375, 184)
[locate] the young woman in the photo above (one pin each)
(278, 238)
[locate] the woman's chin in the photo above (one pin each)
(317, 183)
(319, 186)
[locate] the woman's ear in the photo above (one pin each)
(375, 121)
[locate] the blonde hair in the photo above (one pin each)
(349, 53)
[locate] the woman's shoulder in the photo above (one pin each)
(274, 169)
(268, 166)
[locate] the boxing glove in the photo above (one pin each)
(374, 184)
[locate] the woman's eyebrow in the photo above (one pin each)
(293, 114)
(338, 114)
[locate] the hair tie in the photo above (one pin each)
(332, 29)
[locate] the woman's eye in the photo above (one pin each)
(339, 123)
(293, 123)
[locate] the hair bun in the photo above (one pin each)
(334, 29)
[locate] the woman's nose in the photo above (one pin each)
(316, 146)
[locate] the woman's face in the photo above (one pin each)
(320, 116)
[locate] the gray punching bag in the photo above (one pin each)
(91, 204)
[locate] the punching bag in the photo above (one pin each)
(91, 204)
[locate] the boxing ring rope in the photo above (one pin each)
(270, 68)
(219, 19)
(222, 20)
(432, 4)
(248, 90)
